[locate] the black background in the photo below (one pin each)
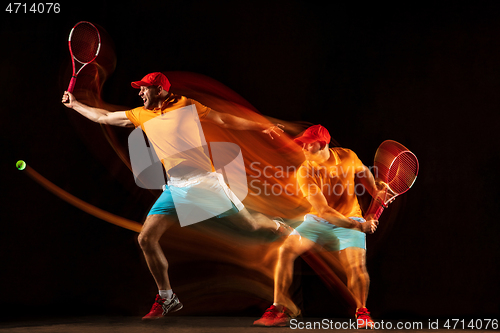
(424, 75)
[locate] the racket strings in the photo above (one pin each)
(85, 42)
(395, 171)
(403, 172)
(396, 166)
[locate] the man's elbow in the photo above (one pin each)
(223, 121)
(224, 125)
(100, 120)
(106, 118)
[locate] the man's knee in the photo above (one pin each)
(154, 227)
(354, 262)
(146, 241)
(290, 247)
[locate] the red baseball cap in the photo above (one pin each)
(313, 134)
(153, 79)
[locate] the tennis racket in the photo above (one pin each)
(396, 170)
(84, 44)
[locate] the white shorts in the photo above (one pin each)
(200, 196)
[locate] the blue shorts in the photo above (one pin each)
(198, 199)
(329, 236)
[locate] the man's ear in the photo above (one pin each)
(160, 89)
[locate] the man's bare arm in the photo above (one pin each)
(101, 116)
(229, 121)
(365, 177)
(320, 204)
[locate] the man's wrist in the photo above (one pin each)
(261, 126)
(355, 224)
(76, 104)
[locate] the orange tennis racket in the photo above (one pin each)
(396, 170)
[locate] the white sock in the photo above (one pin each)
(279, 307)
(166, 293)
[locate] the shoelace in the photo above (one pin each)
(270, 313)
(158, 303)
(363, 314)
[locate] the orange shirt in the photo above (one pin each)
(175, 132)
(335, 178)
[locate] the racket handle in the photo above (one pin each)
(375, 210)
(72, 83)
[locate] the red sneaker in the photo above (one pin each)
(272, 317)
(281, 319)
(162, 306)
(363, 319)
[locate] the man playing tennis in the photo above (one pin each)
(170, 121)
(335, 223)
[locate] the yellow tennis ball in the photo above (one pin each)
(21, 165)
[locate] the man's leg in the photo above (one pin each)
(211, 190)
(293, 247)
(252, 222)
(353, 259)
(149, 240)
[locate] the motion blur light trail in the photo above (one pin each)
(256, 258)
(263, 157)
(231, 262)
(328, 267)
(97, 212)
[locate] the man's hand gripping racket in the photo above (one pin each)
(396, 170)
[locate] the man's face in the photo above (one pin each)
(149, 96)
(311, 150)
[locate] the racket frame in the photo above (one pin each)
(382, 201)
(72, 82)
